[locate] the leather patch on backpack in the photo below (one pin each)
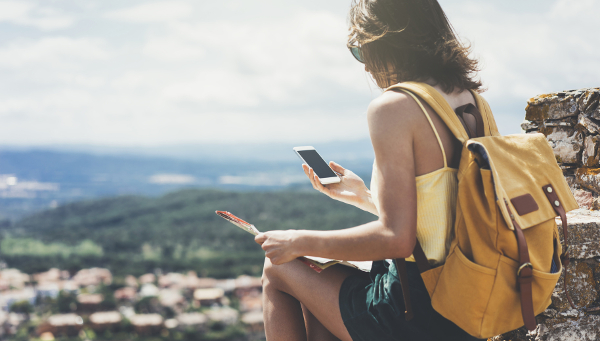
(524, 204)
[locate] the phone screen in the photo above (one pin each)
(316, 162)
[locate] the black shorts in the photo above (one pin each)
(373, 308)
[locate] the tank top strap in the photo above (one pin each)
(437, 136)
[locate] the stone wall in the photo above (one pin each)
(571, 122)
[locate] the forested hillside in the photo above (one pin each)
(178, 231)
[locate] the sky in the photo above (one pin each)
(149, 73)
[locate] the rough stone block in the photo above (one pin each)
(572, 181)
(596, 206)
(586, 328)
(580, 284)
(591, 125)
(588, 103)
(559, 105)
(551, 107)
(567, 144)
(588, 178)
(585, 199)
(584, 233)
(596, 268)
(589, 157)
(529, 126)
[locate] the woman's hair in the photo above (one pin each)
(411, 40)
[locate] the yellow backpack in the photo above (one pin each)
(505, 256)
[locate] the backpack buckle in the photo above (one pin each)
(523, 266)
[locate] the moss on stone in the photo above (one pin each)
(537, 112)
(588, 171)
(546, 130)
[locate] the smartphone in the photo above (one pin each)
(310, 156)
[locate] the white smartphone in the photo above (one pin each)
(310, 156)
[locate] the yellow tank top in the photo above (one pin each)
(436, 204)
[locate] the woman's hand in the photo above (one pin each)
(280, 246)
(350, 190)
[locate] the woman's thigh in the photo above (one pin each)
(319, 292)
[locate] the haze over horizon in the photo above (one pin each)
(153, 73)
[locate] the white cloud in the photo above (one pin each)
(13, 10)
(172, 49)
(221, 87)
(270, 71)
(191, 80)
(163, 11)
(51, 51)
(580, 10)
(58, 104)
(256, 65)
(29, 14)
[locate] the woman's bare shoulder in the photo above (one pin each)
(395, 110)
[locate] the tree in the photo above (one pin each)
(66, 302)
(22, 307)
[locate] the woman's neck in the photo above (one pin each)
(455, 98)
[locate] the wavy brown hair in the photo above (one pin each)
(411, 40)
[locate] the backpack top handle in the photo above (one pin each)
(469, 109)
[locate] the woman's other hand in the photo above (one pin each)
(350, 190)
(279, 246)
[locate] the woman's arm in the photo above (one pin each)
(392, 120)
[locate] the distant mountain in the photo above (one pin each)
(175, 232)
(273, 152)
(32, 179)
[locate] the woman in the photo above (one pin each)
(416, 160)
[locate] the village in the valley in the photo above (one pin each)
(92, 304)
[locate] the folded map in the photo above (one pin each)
(316, 263)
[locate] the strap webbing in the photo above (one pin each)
(524, 275)
(420, 258)
(403, 276)
(422, 264)
(564, 258)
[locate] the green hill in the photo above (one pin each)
(176, 232)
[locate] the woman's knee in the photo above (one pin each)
(268, 274)
(273, 276)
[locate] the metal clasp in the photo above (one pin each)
(526, 265)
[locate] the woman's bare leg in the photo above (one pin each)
(318, 292)
(282, 314)
(315, 330)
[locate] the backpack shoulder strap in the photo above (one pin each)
(439, 104)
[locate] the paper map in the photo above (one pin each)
(316, 263)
